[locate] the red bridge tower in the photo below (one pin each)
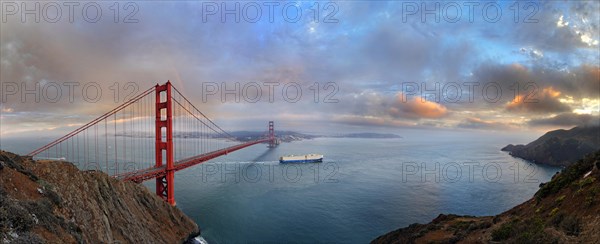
(272, 140)
(164, 184)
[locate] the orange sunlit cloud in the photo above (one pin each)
(417, 107)
(547, 100)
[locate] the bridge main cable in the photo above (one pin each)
(92, 123)
(203, 115)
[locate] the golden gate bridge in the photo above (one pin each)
(151, 136)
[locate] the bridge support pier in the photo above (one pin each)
(164, 184)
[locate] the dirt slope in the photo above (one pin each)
(54, 202)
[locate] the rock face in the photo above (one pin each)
(49, 201)
(564, 210)
(559, 147)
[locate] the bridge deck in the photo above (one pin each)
(155, 172)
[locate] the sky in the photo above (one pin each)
(359, 65)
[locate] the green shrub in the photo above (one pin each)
(525, 237)
(461, 225)
(586, 181)
(29, 238)
(485, 225)
(560, 199)
(43, 211)
(589, 201)
(571, 225)
(4, 224)
(553, 212)
(54, 197)
(531, 231)
(17, 217)
(566, 177)
(74, 230)
(557, 219)
(504, 232)
(49, 192)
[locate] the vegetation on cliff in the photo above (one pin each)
(564, 210)
(54, 202)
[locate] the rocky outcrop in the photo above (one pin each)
(559, 147)
(564, 210)
(51, 201)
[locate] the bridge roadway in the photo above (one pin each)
(142, 175)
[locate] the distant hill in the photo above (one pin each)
(287, 136)
(559, 147)
(368, 135)
(283, 136)
(564, 210)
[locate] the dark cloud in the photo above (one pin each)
(396, 53)
(567, 119)
(541, 102)
(579, 82)
(547, 34)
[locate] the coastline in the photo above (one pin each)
(562, 210)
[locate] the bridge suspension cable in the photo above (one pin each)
(150, 136)
(113, 143)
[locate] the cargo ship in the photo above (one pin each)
(308, 158)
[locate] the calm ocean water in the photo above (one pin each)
(364, 188)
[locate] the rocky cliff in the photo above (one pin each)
(54, 202)
(564, 210)
(559, 147)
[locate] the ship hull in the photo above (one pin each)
(301, 159)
